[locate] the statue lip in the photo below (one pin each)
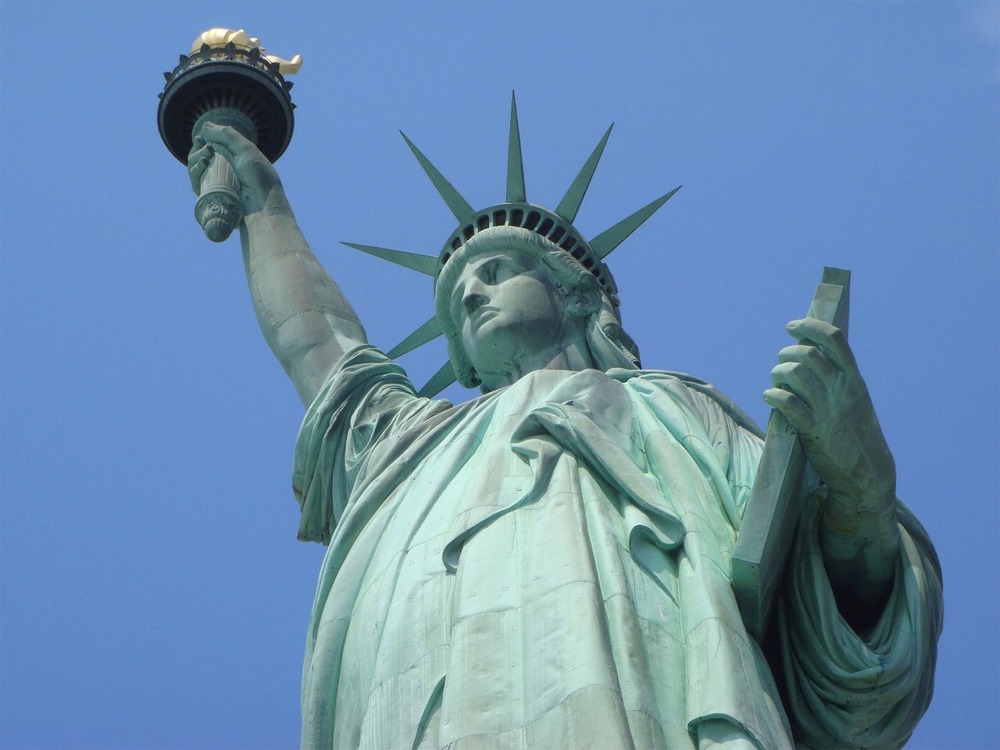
(481, 314)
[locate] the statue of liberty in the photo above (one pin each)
(549, 564)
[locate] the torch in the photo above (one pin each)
(227, 79)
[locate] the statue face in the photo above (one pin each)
(512, 316)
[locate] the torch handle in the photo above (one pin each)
(219, 209)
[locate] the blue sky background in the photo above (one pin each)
(153, 593)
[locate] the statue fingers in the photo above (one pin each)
(227, 139)
(795, 410)
(198, 160)
(253, 170)
(810, 356)
(831, 341)
(798, 379)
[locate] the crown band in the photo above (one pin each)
(542, 222)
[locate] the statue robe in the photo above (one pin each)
(548, 566)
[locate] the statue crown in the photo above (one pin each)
(555, 226)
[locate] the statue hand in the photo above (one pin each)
(818, 388)
(259, 181)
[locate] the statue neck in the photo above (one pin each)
(574, 356)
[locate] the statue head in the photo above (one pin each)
(543, 246)
(509, 298)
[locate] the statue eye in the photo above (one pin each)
(494, 271)
(503, 269)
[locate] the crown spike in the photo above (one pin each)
(440, 380)
(570, 204)
(515, 164)
(425, 264)
(604, 243)
(427, 332)
(458, 205)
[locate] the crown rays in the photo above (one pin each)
(515, 164)
(570, 203)
(602, 245)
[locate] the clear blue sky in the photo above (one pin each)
(153, 594)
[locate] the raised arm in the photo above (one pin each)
(305, 318)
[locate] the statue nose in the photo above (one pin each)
(473, 301)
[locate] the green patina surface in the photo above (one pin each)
(550, 564)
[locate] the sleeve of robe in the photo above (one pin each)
(848, 691)
(366, 395)
(842, 690)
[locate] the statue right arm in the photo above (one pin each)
(305, 318)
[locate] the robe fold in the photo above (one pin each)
(548, 565)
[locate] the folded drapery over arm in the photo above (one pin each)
(365, 393)
(851, 690)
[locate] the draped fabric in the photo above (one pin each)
(548, 566)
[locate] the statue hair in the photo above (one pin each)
(610, 346)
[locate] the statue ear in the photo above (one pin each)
(583, 302)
